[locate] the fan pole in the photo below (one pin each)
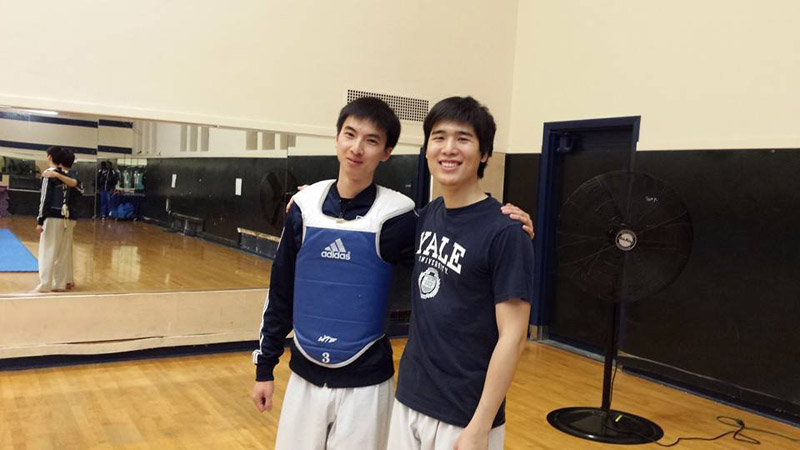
(611, 355)
(605, 424)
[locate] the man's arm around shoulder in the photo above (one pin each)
(70, 182)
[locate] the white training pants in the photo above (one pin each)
(412, 430)
(63, 273)
(322, 418)
(51, 242)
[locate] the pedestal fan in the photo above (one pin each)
(622, 237)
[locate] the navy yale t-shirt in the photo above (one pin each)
(467, 260)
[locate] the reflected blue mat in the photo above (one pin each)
(14, 257)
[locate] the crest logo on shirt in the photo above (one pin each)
(336, 251)
(429, 283)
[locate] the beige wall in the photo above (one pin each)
(263, 64)
(702, 74)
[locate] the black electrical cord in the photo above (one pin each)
(783, 436)
(613, 377)
(738, 433)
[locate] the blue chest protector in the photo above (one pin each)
(341, 282)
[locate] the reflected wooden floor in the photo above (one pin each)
(118, 256)
(203, 402)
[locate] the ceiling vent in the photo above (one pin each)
(406, 108)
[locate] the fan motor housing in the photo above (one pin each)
(625, 240)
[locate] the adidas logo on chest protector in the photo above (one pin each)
(336, 251)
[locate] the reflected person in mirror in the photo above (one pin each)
(74, 190)
(107, 179)
(53, 223)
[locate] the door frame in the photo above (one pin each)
(548, 208)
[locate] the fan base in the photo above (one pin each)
(609, 426)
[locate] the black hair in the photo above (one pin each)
(464, 110)
(67, 158)
(55, 153)
(376, 111)
(104, 165)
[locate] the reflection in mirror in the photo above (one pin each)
(25, 136)
(166, 206)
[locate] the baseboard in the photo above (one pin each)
(36, 362)
(713, 389)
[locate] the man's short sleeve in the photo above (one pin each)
(511, 264)
(397, 239)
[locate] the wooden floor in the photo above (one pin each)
(119, 256)
(203, 402)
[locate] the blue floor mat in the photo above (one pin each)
(14, 257)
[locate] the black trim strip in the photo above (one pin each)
(111, 149)
(757, 402)
(42, 119)
(44, 147)
(34, 362)
(115, 123)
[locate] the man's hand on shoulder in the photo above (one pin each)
(291, 200)
(516, 213)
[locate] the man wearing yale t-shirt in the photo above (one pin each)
(471, 293)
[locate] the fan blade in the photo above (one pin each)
(654, 221)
